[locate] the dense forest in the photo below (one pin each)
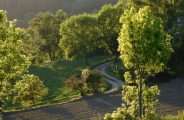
(24, 10)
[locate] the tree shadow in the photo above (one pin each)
(171, 97)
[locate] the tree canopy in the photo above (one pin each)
(45, 28)
(80, 36)
(108, 19)
(143, 43)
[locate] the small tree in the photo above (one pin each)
(145, 49)
(30, 90)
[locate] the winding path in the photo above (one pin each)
(113, 81)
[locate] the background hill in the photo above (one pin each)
(24, 10)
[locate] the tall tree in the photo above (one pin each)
(47, 26)
(14, 63)
(80, 36)
(144, 46)
(108, 18)
(145, 49)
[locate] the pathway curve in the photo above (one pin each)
(112, 80)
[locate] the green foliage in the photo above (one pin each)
(130, 106)
(80, 36)
(32, 45)
(94, 81)
(171, 12)
(91, 81)
(76, 84)
(13, 63)
(166, 9)
(108, 19)
(144, 47)
(44, 29)
(142, 39)
(30, 90)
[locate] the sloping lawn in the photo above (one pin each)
(55, 74)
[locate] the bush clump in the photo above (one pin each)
(90, 81)
(76, 84)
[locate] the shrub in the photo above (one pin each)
(85, 74)
(76, 83)
(90, 81)
(95, 81)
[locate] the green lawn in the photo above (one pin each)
(55, 74)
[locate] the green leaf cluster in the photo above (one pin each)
(44, 30)
(30, 90)
(108, 19)
(143, 43)
(80, 36)
(90, 81)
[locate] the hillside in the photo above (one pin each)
(24, 10)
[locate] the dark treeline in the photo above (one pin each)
(24, 10)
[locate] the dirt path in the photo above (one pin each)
(113, 81)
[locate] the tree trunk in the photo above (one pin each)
(1, 112)
(54, 56)
(140, 99)
(32, 97)
(50, 55)
(86, 60)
